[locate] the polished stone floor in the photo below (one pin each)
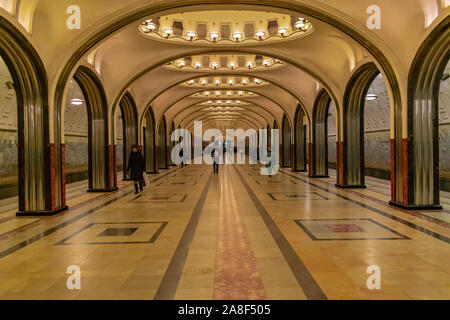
(236, 235)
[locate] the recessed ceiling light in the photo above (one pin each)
(76, 102)
(300, 23)
(282, 30)
(371, 97)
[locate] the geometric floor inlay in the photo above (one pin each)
(296, 196)
(274, 181)
(177, 183)
(159, 198)
(347, 229)
(116, 233)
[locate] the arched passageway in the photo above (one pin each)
(354, 102)
(444, 136)
(171, 143)
(37, 195)
(162, 145)
(319, 150)
(9, 158)
(97, 126)
(300, 146)
(425, 77)
(150, 142)
(286, 147)
(130, 128)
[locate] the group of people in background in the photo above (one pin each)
(136, 166)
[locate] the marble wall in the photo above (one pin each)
(8, 156)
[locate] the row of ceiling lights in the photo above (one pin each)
(232, 64)
(219, 93)
(301, 25)
(231, 82)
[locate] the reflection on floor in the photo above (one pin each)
(236, 235)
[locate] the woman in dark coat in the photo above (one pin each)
(136, 167)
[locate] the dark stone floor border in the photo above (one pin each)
(304, 278)
(169, 284)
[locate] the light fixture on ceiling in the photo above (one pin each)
(237, 36)
(249, 64)
(266, 63)
(282, 31)
(191, 82)
(260, 34)
(257, 81)
(215, 65)
(207, 93)
(168, 32)
(371, 97)
(244, 82)
(203, 82)
(229, 93)
(151, 26)
(191, 35)
(182, 63)
(197, 65)
(217, 82)
(76, 101)
(214, 36)
(230, 82)
(300, 23)
(218, 93)
(232, 64)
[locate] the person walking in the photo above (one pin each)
(269, 163)
(182, 158)
(136, 168)
(216, 162)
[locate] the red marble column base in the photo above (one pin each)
(393, 166)
(63, 175)
(311, 159)
(53, 209)
(340, 162)
(406, 204)
(115, 165)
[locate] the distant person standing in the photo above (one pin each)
(216, 161)
(182, 158)
(269, 163)
(136, 167)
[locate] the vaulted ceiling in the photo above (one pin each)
(294, 48)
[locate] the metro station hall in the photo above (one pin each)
(227, 150)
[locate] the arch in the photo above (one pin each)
(36, 191)
(299, 148)
(130, 128)
(100, 179)
(237, 88)
(149, 136)
(422, 145)
(319, 150)
(286, 149)
(163, 162)
(353, 148)
(172, 103)
(171, 143)
(120, 20)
